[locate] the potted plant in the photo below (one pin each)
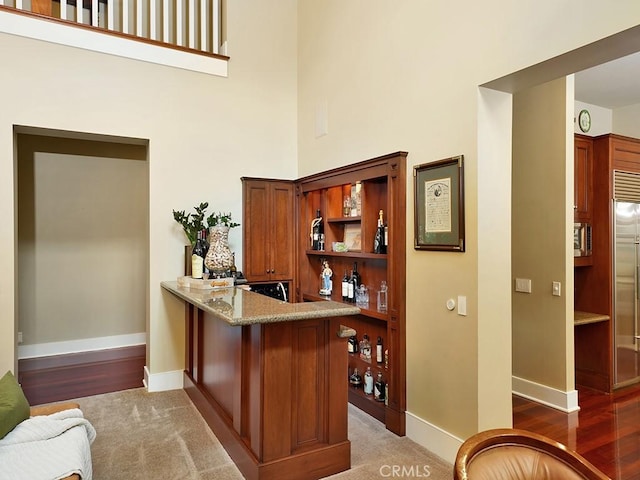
(192, 223)
(221, 218)
(219, 258)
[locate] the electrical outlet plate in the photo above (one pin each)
(556, 289)
(523, 285)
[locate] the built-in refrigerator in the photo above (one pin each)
(626, 272)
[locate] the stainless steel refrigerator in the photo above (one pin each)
(626, 292)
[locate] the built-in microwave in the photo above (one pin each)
(581, 239)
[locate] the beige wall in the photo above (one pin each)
(204, 133)
(406, 77)
(82, 239)
(540, 232)
(626, 121)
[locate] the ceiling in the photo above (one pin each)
(611, 85)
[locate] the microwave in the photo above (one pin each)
(581, 239)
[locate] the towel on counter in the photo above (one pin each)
(48, 447)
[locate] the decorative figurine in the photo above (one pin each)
(326, 285)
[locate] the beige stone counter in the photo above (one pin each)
(584, 318)
(237, 306)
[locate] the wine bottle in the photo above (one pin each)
(351, 293)
(354, 281)
(379, 350)
(316, 226)
(352, 344)
(379, 389)
(205, 270)
(197, 258)
(345, 287)
(378, 242)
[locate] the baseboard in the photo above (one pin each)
(159, 382)
(564, 401)
(81, 345)
(433, 438)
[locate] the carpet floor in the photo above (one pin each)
(161, 435)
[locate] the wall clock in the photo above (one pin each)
(584, 120)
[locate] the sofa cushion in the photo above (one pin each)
(14, 407)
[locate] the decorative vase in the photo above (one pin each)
(219, 258)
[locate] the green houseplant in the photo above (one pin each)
(192, 223)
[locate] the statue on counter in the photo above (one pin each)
(326, 285)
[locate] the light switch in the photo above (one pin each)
(523, 285)
(462, 305)
(556, 289)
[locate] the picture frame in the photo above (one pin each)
(439, 205)
(353, 238)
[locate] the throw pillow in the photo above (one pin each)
(14, 407)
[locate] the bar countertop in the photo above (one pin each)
(238, 306)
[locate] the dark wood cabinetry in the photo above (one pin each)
(594, 284)
(382, 183)
(583, 187)
(268, 226)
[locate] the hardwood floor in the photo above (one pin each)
(606, 430)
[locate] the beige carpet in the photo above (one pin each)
(161, 435)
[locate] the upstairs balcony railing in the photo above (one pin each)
(184, 26)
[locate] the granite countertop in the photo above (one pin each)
(584, 318)
(238, 306)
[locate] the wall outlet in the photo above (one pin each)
(462, 305)
(19, 337)
(523, 285)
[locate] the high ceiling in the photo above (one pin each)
(610, 85)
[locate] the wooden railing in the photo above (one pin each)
(195, 25)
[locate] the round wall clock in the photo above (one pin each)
(584, 120)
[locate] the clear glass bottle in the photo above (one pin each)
(355, 379)
(365, 348)
(368, 382)
(382, 297)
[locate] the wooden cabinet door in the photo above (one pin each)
(281, 231)
(268, 230)
(583, 178)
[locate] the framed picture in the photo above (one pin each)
(439, 205)
(353, 238)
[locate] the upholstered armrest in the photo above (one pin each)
(53, 408)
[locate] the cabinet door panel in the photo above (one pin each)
(583, 172)
(256, 231)
(282, 233)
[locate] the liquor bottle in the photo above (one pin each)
(316, 225)
(382, 296)
(368, 382)
(205, 233)
(351, 293)
(352, 344)
(355, 379)
(345, 287)
(379, 245)
(379, 350)
(365, 348)
(197, 258)
(233, 270)
(354, 281)
(379, 389)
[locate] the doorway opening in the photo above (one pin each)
(82, 262)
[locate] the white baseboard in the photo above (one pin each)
(433, 438)
(82, 345)
(160, 382)
(564, 401)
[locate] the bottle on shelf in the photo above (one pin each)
(351, 293)
(368, 381)
(355, 281)
(233, 270)
(365, 348)
(205, 234)
(379, 245)
(382, 296)
(197, 258)
(352, 344)
(355, 379)
(379, 356)
(379, 389)
(346, 206)
(317, 229)
(345, 286)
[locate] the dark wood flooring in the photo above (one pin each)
(606, 430)
(63, 377)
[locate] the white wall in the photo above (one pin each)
(204, 133)
(626, 121)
